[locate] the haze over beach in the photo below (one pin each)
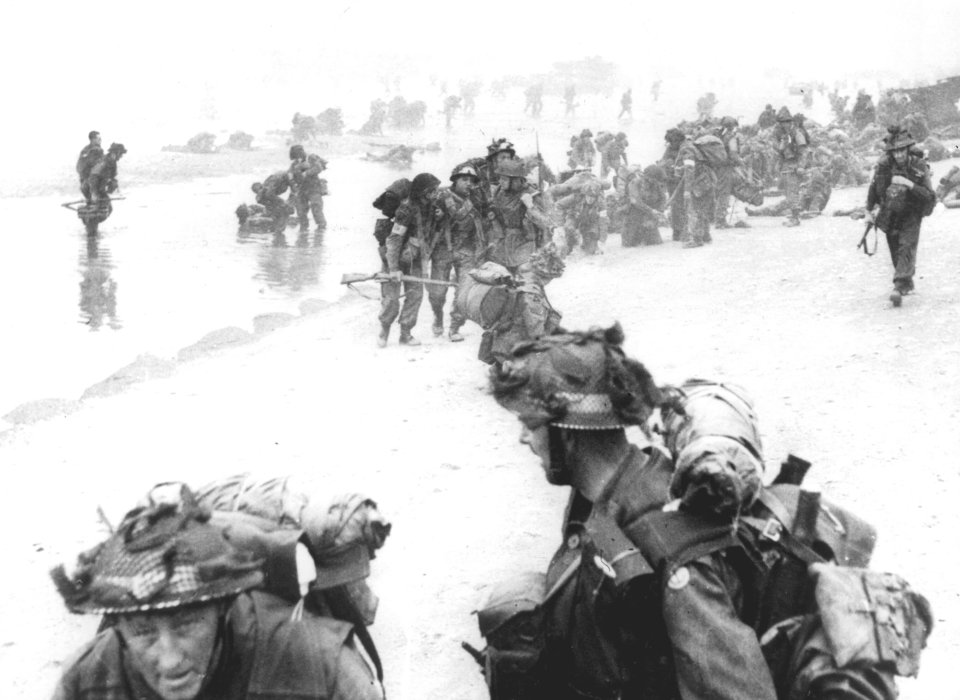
(101, 399)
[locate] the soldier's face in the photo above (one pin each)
(900, 156)
(172, 650)
(463, 185)
(538, 440)
(501, 156)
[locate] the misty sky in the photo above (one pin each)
(113, 61)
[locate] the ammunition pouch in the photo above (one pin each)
(872, 618)
(411, 251)
(512, 623)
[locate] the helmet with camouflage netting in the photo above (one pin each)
(577, 381)
(165, 554)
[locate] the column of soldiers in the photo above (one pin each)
(680, 575)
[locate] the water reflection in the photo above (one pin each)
(98, 290)
(294, 267)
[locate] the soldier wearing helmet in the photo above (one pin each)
(269, 194)
(88, 157)
(792, 143)
(647, 601)
(517, 223)
(674, 138)
(613, 154)
(583, 152)
(102, 180)
(767, 118)
(725, 175)
(901, 193)
(458, 242)
(308, 188)
(646, 198)
(413, 226)
(186, 619)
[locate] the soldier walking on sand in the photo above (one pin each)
(900, 195)
(457, 243)
(412, 224)
(791, 143)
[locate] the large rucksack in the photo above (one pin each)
(711, 150)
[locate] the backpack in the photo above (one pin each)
(711, 150)
(389, 201)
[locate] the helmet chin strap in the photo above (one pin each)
(559, 472)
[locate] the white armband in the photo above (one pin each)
(398, 229)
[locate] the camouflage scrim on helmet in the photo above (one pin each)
(501, 145)
(578, 380)
(547, 262)
(165, 554)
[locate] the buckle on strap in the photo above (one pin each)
(771, 530)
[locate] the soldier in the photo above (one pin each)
(457, 243)
(584, 152)
(699, 182)
(613, 154)
(269, 194)
(413, 223)
(102, 180)
(185, 621)
(767, 118)
(731, 141)
(899, 196)
(791, 143)
(626, 104)
(308, 187)
(88, 157)
(642, 601)
(580, 203)
(674, 138)
(517, 222)
(647, 198)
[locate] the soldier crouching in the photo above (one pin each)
(184, 620)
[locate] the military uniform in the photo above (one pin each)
(458, 246)
(901, 208)
(726, 597)
(725, 175)
(414, 221)
(699, 195)
(584, 152)
(613, 155)
(678, 211)
(814, 195)
(646, 198)
(948, 192)
(792, 145)
(518, 225)
(274, 205)
(89, 156)
(308, 190)
(234, 640)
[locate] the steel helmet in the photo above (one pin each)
(465, 170)
(164, 555)
(578, 381)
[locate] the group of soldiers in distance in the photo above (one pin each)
(681, 573)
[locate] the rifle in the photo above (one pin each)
(353, 277)
(863, 240)
(475, 653)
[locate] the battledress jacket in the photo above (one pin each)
(265, 656)
(921, 196)
(626, 627)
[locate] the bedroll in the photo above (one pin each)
(484, 304)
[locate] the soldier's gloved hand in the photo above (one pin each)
(901, 180)
(870, 217)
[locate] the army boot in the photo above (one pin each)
(406, 338)
(437, 327)
(384, 335)
(455, 336)
(793, 220)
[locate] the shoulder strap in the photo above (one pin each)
(671, 539)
